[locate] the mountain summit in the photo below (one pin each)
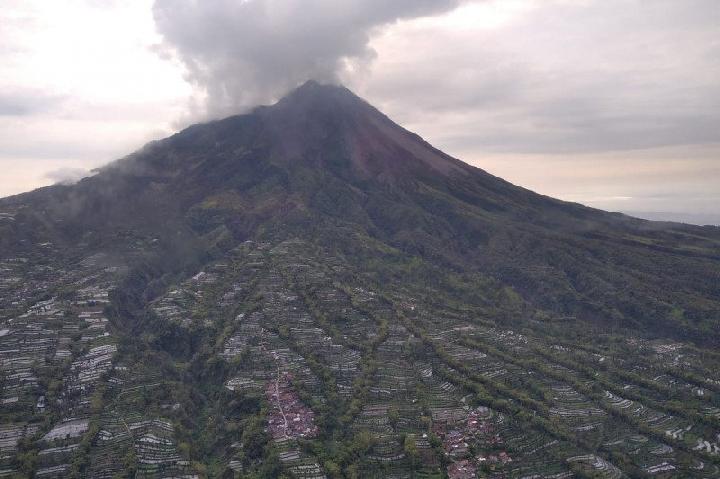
(372, 145)
(309, 290)
(326, 127)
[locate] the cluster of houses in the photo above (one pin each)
(289, 417)
(470, 439)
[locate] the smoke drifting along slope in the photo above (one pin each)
(245, 52)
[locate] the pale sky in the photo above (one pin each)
(611, 103)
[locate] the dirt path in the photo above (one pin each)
(279, 405)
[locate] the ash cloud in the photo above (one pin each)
(241, 53)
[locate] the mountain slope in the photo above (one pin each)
(322, 156)
(411, 314)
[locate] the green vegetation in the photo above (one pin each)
(309, 291)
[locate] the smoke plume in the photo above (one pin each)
(240, 53)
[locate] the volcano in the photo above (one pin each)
(309, 289)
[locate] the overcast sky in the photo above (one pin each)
(611, 103)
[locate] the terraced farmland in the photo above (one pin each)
(309, 370)
(310, 291)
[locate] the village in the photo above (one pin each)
(296, 343)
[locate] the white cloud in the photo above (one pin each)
(67, 176)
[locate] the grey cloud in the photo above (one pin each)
(53, 148)
(22, 103)
(245, 52)
(563, 77)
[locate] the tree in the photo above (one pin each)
(393, 415)
(411, 452)
(332, 469)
